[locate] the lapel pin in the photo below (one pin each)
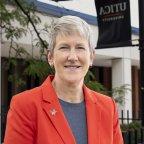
(53, 112)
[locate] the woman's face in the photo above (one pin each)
(71, 58)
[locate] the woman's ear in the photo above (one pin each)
(50, 57)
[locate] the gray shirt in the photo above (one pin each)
(76, 117)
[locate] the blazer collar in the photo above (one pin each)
(93, 113)
(89, 96)
(48, 91)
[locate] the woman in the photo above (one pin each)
(63, 110)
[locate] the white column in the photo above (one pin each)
(121, 75)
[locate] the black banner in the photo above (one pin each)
(113, 23)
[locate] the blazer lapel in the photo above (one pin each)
(54, 111)
(93, 112)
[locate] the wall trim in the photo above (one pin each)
(57, 11)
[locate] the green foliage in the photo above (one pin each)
(18, 19)
(89, 76)
(118, 93)
(135, 130)
(93, 84)
(18, 80)
(37, 68)
(12, 62)
(132, 126)
(23, 13)
(96, 86)
(15, 32)
(33, 68)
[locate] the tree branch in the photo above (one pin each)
(34, 27)
(30, 20)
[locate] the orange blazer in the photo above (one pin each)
(36, 117)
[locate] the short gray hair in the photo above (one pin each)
(68, 25)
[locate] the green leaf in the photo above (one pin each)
(38, 69)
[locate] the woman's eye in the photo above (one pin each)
(81, 48)
(63, 48)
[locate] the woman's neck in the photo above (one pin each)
(72, 93)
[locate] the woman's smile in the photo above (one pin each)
(72, 67)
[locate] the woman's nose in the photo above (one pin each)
(72, 56)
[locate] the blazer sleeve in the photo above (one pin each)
(117, 135)
(19, 128)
